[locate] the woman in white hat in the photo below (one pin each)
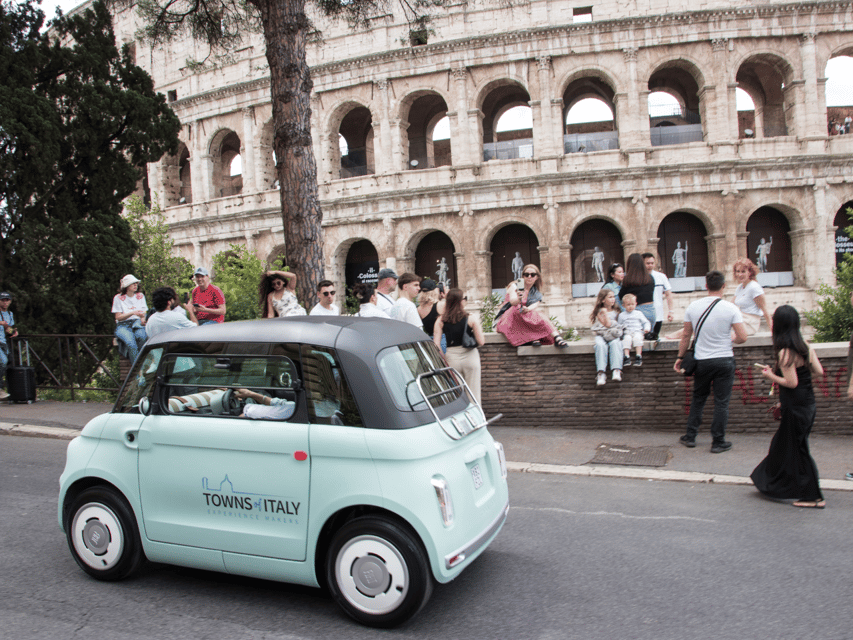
(129, 308)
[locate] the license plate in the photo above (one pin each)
(477, 476)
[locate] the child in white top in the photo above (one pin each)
(636, 325)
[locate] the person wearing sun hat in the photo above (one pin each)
(129, 309)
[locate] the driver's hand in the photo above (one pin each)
(245, 394)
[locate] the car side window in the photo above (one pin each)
(256, 387)
(140, 383)
(329, 398)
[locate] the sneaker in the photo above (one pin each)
(600, 379)
(720, 447)
(848, 476)
(617, 375)
(687, 441)
(626, 362)
(639, 361)
(3, 394)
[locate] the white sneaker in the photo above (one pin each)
(617, 375)
(3, 395)
(601, 379)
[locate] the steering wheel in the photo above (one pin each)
(231, 404)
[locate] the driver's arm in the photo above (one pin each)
(248, 394)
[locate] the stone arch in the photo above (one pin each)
(224, 148)
(593, 136)
(843, 242)
(355, 125)
(596, 244)
(764, 77)
(504, 241)
(710, 223)
(433, 246)
(683, 250)
(278, 251)
(683, 79)
(422, 109)
(770, 245)
(358, 259)
(836, 114)
(495, 99)
(177, 177)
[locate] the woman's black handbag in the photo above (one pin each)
(468, 339)
(688, 361)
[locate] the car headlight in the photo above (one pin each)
(445, 502)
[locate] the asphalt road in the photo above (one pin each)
(590, 558)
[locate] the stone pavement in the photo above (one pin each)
(529, 449)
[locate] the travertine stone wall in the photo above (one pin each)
(534, 54)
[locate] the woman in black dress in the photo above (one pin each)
(789, 471)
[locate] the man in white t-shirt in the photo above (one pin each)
(326, 306)
(386, 284)
(404, 309)
(662, 290)
(167, 316)
(715, 361)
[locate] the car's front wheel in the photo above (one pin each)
(103, 535)
(378, 572)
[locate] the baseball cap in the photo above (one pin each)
(201, 271)
(386, 273)
(5, 295)
(428, 285)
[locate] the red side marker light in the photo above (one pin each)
(300, 455)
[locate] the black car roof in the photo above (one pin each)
(356, 340)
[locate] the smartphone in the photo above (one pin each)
(196, 304)
(186, 297)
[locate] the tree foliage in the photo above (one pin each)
(833, 319)
(286, 29)
(77, 120)
(238, 273)
(154, 263)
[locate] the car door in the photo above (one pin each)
(219, 481)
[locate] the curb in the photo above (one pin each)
(634, 473)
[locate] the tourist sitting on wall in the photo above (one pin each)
(749, 296)
(608, 337)
(519, 319)
(641, 283)
(615, 276)
(367, 299)
(277, 295)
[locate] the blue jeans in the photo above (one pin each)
(648, 310)
(4, 362)
(133, 335)
(201, 322)
(603, 349)
(721, 373)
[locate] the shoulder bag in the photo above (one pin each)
(468, 339)
(688, 361)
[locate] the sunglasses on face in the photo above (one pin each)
(329, 293)
(530, 275)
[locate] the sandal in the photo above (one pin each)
(536, 343)
(560, 343)
(810, 504)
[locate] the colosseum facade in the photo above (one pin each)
(705, 178)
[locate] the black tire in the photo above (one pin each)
(102, 534)
(378, 572)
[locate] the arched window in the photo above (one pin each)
(507, 123)
(227, 165)
(362, 264)
(769, 246)
(674, 98)
(512, 245)
(185, 177)
(424, 113)
(745, 114)
(589, 116)
(843, 242)
(764, 78)
(596, 244)
(839, 95)
(357, 133)
(434, 259)
(683, 251)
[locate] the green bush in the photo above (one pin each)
(488, 310)
(238, 271)
(833, 319)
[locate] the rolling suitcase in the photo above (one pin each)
(22, 384)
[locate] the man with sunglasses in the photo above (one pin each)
(326, 307)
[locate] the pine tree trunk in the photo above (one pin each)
(285, 31)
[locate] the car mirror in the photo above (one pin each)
(145, 406)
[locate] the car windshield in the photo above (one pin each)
(402, 364)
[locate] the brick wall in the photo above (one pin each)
(546, 387)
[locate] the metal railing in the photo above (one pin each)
(508, 149)
(68, 360)
(588, 142)
(681, 134)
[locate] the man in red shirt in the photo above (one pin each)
(207, 299)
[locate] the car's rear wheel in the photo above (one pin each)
(378, 572)
(103, 535)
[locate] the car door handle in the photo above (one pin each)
(130, 439)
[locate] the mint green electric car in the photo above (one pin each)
(338, 452)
